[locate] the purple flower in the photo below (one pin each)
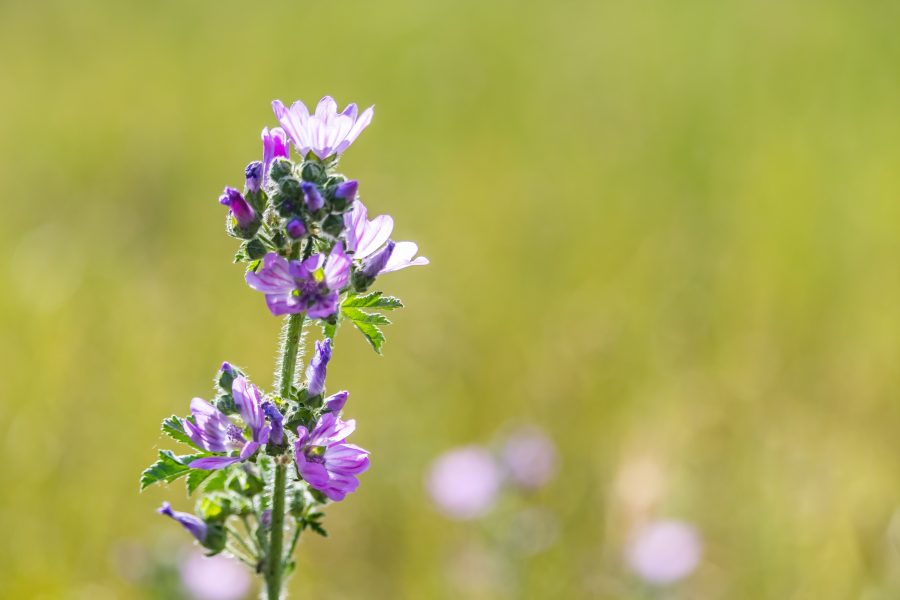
(311, 196)
(326, 132)
(312, 285)
(315, 372)
(335, 402)
(275, 144)
(243, 213)
(529, 457)
(464, 483)
(215, 432)
(253, 176)
(214, 577)
(365, 237)
(662, 552)
(276, 419)
(296, 229)
(326, 461)
(194, 524)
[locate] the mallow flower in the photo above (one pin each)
(365, 238)
(326, 132)
(213, 431)
(312, 285)
(326, 461)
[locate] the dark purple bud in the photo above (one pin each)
(315, 372)
(296, 229)
(277, 420)
(243, 212)
(254, 174)
(311, 195)
(336, 402)
(227, 368)
(265, 519)
(347, 190)
(195, 525)
(378, 261)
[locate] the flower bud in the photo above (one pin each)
(312, 171)
(253, 175)
(192, 523)
(312, 197)
(345, 194)
(244, 220)
(255, 249)
(378, 261)
(315, 372)
(336, 402)
(276, 437)
(291, 188)
(281, 168)
(296, 229)
(333, 225)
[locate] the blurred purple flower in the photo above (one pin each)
(241, 210)
(275, 145)
(317, 368)
(326, 461)
(215, 432)
(194, 524)
(464, 482)
(326, 132)
(311, 196)
(529, 457)
(214, 577)
(365, 237)
(662, 552)
(312, 285)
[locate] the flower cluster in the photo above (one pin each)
(271, 461)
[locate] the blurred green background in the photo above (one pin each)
(668, 232)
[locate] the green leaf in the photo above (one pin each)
(173, 428)
(358, 316)
(168, 468)
(195, 478)
(373, 300)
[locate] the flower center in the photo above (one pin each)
(315, 454)
(235, 436)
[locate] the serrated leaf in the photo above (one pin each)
(173, 428)
(374, 335)
(358, 316)
(168, 468)
(373, 300)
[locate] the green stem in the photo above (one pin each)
(275, 562)
(290, 345)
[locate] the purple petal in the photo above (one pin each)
(210, 463)
(337, 269)
(273, 278)
(403, 257)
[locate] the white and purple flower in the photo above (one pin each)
(326, 461)
(326, 132)
(212, 430)
(365, 238)
(312, 285)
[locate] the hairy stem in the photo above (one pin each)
(290, 345)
